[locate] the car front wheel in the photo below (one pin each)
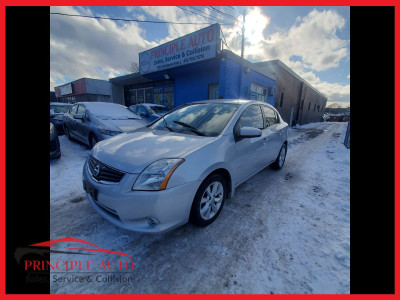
(93, 141)
(66, 130)
(209, 200)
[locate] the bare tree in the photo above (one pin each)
(134, 67)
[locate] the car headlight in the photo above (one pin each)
(109, 132)
(156, 176)
(51, 128)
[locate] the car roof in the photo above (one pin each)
(98, 104)
(151, 104)
(233, 101)
(60, 103)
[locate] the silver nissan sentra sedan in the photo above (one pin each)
(183, 166)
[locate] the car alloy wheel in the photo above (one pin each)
(209, 200)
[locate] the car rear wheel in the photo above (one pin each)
(280, 160)
(209, 200)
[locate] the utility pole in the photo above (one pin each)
(242, 57)
(244, 20)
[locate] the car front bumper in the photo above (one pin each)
(141, 211)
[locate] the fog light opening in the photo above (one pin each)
(152, 221)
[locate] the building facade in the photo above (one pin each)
(84, 90)
(295, 100)
(193, 67)
(225, 76)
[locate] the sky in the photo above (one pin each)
(313, 41)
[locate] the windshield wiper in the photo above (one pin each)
(191, 128)
(166, 126)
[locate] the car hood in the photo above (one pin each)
(133, 152)
(122, 125)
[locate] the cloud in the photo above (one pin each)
(313, 38)
(81, 47)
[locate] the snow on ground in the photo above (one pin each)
(285, 231)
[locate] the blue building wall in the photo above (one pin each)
(192, 81)
(229, 79)
(230, 87)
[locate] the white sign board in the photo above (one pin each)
(191, 48)
(66, 89)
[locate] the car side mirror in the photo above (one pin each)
(78, 117)
(249, 132)
(52, 113)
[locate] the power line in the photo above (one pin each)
(207, 15)
(132, 20)
(201, 14)
(225, 40)
(222, 13)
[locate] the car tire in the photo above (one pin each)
(280, 160)
(93, 140)
(209, 200)
(67, 133)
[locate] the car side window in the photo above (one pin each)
(270, 116)
(141, 109)
(134, 109)
(73, 109)
(81, 110)
(251, 117)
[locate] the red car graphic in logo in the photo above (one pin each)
(94, 247)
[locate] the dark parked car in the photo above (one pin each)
(55, 151)
(91, 122)
(149, 112)
(57, 111)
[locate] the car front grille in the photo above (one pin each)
(102, 172)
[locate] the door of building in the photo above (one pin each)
(138, 96)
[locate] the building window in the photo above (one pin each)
(309, 106)
(138, 96)
(318, 108)
(169, 96)
(213, 91)
(315, 106)
(302, 104)
(158, 96)
(258, 92)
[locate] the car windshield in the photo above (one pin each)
(159, 110)
(60, 108)
(110, 111)
(205, 119)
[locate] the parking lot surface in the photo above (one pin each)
(284, 231)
